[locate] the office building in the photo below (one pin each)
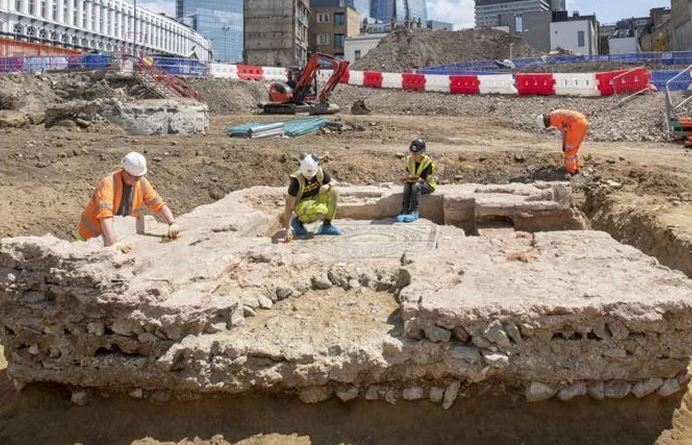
(437, 25)
(362, 7)
(220, 21)
(399, 10)
(488, 12)
(577, 34)
(330, 26)
(276, 32)
(113, 26)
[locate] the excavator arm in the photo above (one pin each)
(287, 100)
(309, 75)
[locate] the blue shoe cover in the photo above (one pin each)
(400, 217)
(328, 230)
(411, 217)
(298, 227)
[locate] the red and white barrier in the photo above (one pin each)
(576, 84)
(438, 83)
(525, 84)
(223, 71)
(497, 84)
(275, 74)
(356, 78)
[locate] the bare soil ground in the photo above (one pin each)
(47, 176)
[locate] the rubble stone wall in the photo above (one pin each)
(549, 314)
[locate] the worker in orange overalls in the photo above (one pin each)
(573, 126)
(122, 193)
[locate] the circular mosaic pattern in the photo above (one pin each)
(366, 241)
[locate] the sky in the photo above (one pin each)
(460, 12)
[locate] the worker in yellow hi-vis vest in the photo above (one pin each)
(419, 181)
(311, 197)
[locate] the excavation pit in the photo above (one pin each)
(385, 312)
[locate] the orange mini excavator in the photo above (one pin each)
(301, 95)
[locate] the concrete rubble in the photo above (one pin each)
(386, 312)
(139, 117)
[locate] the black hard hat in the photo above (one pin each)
(417, 145)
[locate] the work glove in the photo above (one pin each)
(288, 235)
(173, 231)
(123, 248)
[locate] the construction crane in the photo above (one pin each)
(302, 95)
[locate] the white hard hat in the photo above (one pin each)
(308, 167)
(135, 164)
(540, 122)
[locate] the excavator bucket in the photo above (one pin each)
(359, 107)
(287, 108)
(324, 108)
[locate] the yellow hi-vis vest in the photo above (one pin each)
(301, 181)
(410, 165)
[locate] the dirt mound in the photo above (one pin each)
(225, 96)
(639, 120)
(406, 49)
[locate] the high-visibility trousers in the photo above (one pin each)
(574, 136)
(321, 207)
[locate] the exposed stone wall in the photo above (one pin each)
(564, 313)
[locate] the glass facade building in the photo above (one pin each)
(220, 21)
(386, 10)
(362, 6)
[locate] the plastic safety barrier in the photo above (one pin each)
(632, 81)
(535, 84)
(435, 82)
(277, 74)
(11, 64)
(224, 70)
(346, 77)
(324, 75)
(576, 84)
(497, 84)
(621, 82)
(372, 79)
(413, 82)
(355, 78)
(250, 72)
(464, 85)
(391, 80)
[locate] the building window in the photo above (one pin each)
(580, 39)
(322, 18)
(519, 23)
(339, 19)
(323, 39)
(338, 40)
(357, 54)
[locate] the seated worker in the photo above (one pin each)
(312, 198)
(122, 193)
(420, 181)
(573, 126)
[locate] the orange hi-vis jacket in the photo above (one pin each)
(106, 201)
(566, 119)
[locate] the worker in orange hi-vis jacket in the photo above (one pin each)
(573, 126)
(122, 193)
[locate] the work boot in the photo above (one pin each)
(400, 217)
(328, 229)
(298, 227)
(411, 217)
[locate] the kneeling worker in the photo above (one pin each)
(312, 198)
(122, 194)
(573, 126)
(420, 181)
